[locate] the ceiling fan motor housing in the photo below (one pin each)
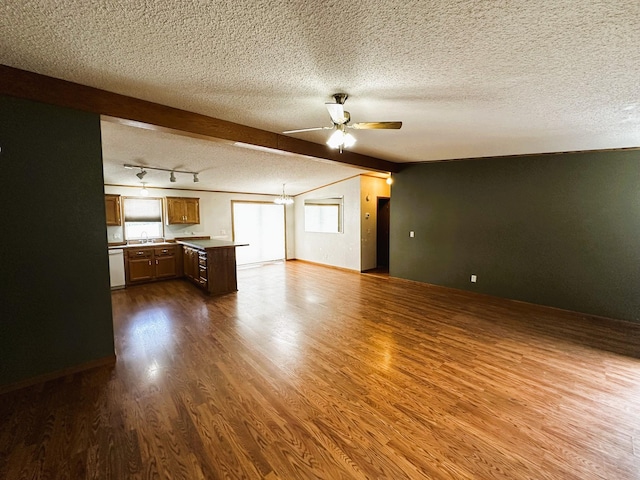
(340, 98)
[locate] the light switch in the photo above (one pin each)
(412, 234)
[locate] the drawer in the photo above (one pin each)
(163, 251)
(203, 272)
(202, 261)
(139, 252)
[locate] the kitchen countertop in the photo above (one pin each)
(206, 244)
(142, 245)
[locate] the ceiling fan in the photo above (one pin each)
(341, 118)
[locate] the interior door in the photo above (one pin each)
(382, 246)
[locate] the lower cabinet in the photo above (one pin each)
(146, 264)
(165, 262)
(212, 269)
(195, 266)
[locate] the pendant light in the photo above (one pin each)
(283, 199)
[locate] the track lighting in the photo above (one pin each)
(172, 176)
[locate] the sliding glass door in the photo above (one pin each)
(261, 225)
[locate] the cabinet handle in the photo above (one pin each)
(156, 262)
(149, 262)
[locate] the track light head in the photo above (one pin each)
(195, 178)
(172, 178)
(142, 173)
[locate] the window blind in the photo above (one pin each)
(142, 210)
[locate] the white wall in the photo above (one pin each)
(336, 249)
(371, 188)
(215, 214)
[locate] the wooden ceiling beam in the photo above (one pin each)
(42, 88)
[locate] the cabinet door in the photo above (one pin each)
(112, 206)
(183, 210)
(175, 210)
(140, 269)
(188, 262)
(165, 266)
(192, 210)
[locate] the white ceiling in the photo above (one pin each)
(468, 78)
(221, 166)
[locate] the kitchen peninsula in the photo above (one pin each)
(211, 264)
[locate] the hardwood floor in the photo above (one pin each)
(312, 372)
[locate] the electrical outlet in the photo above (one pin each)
(412, 234)
(474, 278)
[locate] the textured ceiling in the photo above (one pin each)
(221, 166)
(468, 78)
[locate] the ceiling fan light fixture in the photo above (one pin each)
(144, 192)
(340, 139)
(336, 140)
(348, 140)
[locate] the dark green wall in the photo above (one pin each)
(557, 230)
(55, 300)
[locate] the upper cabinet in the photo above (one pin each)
(183, 210)
(112, 205)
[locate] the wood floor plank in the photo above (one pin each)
(312, 372)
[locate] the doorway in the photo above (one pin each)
(382, 232)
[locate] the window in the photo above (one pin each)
(142, 218)
(323, 215)
(261, 225)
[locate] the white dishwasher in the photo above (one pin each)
(116, 267)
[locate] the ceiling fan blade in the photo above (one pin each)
(308, 129)
(336, 111)
(376, 125)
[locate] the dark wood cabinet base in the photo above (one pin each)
(208, 264)
(211, 269)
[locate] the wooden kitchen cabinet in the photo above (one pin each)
(140, 270)
(190, 265)
(165, 262)
(113, 209)
(147, 264)
(211, 265)
(183, 210)
(195, 266)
